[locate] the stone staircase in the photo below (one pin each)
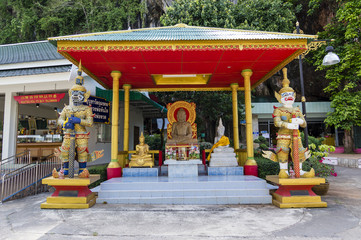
(201, 190)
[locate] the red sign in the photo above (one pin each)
(39, 98)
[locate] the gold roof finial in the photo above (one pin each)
(285, 83)
(79, 79)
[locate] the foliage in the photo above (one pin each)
(266, 167)
(345, 77)
(318, 152)
(153, 141)
(322, 170)
(263, 145)
(265, 15)
(100, 169)
(207, 13)
(26, 20)
(205, 145)
(347, 110)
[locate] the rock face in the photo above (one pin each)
(223, 156)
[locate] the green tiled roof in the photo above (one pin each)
(28, 52)
(34, 71)
(182, 32)
(137, 99)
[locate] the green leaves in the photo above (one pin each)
(207, 13)
(24, 21)
(344, 78)
(347, 110)
(265, 15)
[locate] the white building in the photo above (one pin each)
(36, 68)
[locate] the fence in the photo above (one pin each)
(15, 162)
(13, 182)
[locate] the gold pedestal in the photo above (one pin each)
(296, 192)
(70, 192)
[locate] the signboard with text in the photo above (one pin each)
(100, 108)
(39, 98)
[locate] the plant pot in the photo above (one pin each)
(358, 150)
(321, 189)
(339, 150)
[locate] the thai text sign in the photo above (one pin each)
(39, 98)
(100, 108)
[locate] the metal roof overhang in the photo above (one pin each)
(149, 108)
(194, 58)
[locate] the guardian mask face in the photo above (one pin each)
(77, 97)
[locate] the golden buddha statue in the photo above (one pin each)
(181, 130)
(141, 158)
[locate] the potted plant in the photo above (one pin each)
(322, 169)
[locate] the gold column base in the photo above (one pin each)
(250, 162)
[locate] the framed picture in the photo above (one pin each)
(52, 123)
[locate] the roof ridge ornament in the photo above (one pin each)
(79, 80)
(181, 25)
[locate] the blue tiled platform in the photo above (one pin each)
(224, 171)
(202, 190)
(140, 172)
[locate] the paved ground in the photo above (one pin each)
(23, 219)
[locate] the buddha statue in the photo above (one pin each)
(181, 130)
(142, 157)
(219, 132)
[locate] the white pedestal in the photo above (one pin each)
(223, 157)
(181, 169)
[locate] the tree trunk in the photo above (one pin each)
(348, 141)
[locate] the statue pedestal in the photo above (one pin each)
(140, 172)
(223, 157)
(182, 169)
(70, 192)
(296, 192)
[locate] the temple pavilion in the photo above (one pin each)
(182, 58)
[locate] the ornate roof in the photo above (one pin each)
(181, 32)
(182, 57)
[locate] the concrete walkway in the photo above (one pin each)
(23, 219)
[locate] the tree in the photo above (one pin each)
(207, 13)
(345, 77)
(26, 20)
(265, 15)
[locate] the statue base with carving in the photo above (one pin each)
(296, 192)
(70, 193)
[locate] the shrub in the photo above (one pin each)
(99, 169)
(266, 167)
(263, 145)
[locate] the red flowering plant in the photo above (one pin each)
(316, 161)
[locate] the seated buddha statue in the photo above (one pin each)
(142, 157)
(181, 130)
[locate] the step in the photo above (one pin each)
(210, 200)
(182, 193)
(200, 182)
(231, 189)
